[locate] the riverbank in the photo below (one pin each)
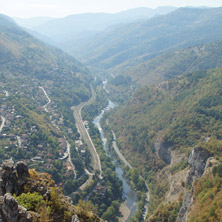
(129, 207)
(125, 212)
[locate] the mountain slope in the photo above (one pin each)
(38, 86)
(23, 55)
(32, 22)
(176, 62)
(179, 111)
(128, 45)
(161, 124)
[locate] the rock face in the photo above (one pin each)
(197, 160)
(12, 180)
(75, 218)
(187, 199)
(162, 151)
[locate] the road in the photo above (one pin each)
(68, 145)
(2, 124)
(128, 164)
(119, 153)
(96, 164)
(49, 100)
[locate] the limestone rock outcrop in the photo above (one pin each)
(162, 151)
(197, 161)
(12, 180)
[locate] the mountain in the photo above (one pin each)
(32, 22)
(157, 130)
(130, 44)
(175, 62)
(73, 27)
(38, 86)
(23, 54)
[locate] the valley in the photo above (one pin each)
(130, 133)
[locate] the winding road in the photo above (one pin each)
(49, 100)
(2, 124)
(67, 143)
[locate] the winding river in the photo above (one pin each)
(128, 193)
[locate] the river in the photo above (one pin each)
(128, 193)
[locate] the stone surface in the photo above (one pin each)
(162, 151)
(187, 199)
(197, 160)
(10, 208)
(75, 218)
(21, 169)
(12, 179)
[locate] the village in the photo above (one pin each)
(18, 136)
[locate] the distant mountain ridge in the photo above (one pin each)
(71, 27)
(130, 44)
(32, 22)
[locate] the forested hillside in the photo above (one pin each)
(161, 124)
(176, 62)
(24, 56)
(38, 86)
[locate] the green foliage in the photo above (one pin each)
(179, 166)
(166, 212)
(217, 170)
(169, 111)
(207, 198)
(31, 201)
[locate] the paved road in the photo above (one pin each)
(2, 124)
(49, 100)
(85, 135)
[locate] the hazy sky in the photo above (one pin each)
(61, 8)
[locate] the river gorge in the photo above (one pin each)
(130, 205)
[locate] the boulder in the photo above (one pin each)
(22, 169)
(10, 208)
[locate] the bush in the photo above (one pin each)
(31, 201)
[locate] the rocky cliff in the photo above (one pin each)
(17, 184)
(197, 161)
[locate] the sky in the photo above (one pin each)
(62, 8)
